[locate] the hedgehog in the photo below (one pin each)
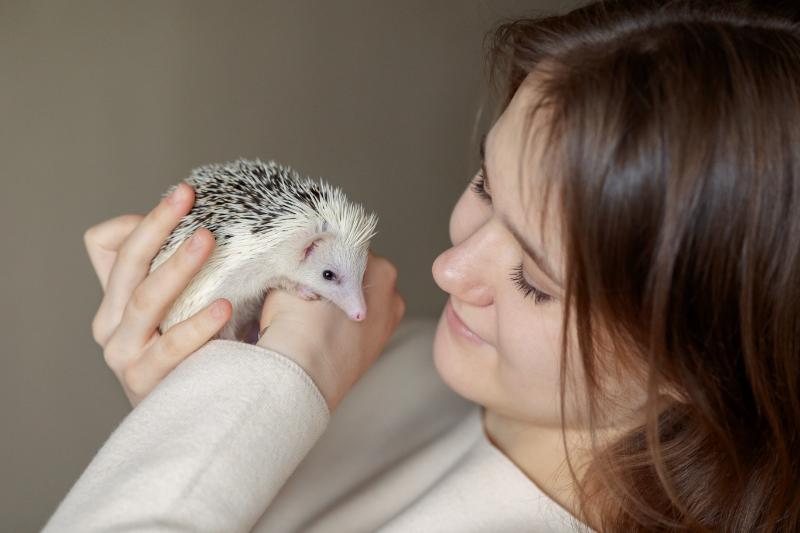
(273, 229)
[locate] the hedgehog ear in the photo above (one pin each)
(312, 243)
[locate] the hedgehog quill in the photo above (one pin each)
(273, 229)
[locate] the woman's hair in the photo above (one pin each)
(674, 141)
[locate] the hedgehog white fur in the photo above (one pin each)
(272, 229)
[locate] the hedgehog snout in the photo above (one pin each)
(355, 307)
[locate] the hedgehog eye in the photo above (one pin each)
(327, 274)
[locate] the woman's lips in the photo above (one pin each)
(457, 325)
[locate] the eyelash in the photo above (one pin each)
(527, 289)
(539, 297)
(479, 188)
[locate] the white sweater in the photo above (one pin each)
(238, 438)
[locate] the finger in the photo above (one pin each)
(400, 308)
(277, 298)
(283, 305)
(381, 277)
(137, 252)
(103, 240)
(175, 345)
(152, 299)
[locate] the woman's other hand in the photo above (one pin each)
(134, 302)
(333, 349)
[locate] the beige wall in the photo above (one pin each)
(105, 104)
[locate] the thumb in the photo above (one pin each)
(277, 302)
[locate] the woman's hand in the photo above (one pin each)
(333, 349)
(135, 302)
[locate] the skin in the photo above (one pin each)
(515, 373)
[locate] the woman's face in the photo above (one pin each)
(513, 368)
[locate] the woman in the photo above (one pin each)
(631, 335)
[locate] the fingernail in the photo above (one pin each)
(194, 241)
(218, 309)
(176, 195)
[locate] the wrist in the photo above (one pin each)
(308, 356)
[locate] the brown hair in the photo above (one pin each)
(674, 128)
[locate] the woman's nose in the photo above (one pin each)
(466, 270)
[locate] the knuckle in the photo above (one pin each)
(88, 236)
(111, 355)
(134, 382)
(98, 331)
(140, 300)
(392, 271)
(168, 345)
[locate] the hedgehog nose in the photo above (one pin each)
(355, 307)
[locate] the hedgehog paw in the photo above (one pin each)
(306, 294)
(301, 291)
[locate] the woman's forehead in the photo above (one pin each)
(515, 148)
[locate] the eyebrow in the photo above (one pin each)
(535, 256)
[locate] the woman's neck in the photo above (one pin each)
(539, 453)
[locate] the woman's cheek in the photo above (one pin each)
(529, 347)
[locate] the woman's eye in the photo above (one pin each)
(528, 289)
(479, 187)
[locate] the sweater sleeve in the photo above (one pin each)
(206, 450)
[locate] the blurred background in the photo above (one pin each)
(104, 104)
